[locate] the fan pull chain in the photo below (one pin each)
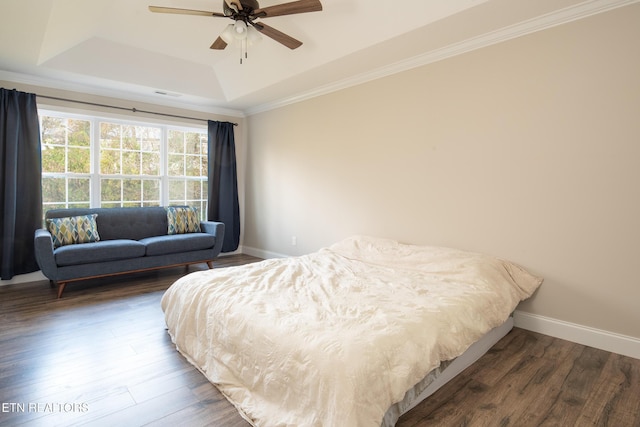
(243, 50)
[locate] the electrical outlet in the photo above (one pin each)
(294, 240)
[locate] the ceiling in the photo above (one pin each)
(118, 48)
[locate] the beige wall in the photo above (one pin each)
(527, 150)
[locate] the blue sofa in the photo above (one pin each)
(130, 240)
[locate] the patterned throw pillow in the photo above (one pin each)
(182, 219)
(73, 229)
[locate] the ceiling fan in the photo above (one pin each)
(245, 13)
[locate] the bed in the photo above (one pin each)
(354, 334)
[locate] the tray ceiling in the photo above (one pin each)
(120, 49)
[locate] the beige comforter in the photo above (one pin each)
(336, 337)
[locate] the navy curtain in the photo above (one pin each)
(223, 183)
(20, 182)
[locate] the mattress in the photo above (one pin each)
(339, 336)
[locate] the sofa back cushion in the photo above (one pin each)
(122, 223)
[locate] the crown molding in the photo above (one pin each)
(543, 22)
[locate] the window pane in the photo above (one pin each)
(176, 142)
(151, 192)
(204, 144)
(52, 130)
(110, 190)
(151, 163)
(150, 139)
(132, 189)
(53, 190)
(176, 165)
(192, 143)
(194, 190)
(130, 138)
(79, 133)
(130, 163)
(176, 191)
(192, 166)
(79, 190)
(204, 166)
(53, 159)
(109, 135)
(109, 162)
(79, 160)
(194, 162)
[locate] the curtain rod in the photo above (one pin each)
(134, 110)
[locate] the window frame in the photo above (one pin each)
(95, 176)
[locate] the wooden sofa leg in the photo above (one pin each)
(210, 264)
(61, 289)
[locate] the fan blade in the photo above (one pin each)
(219, 44)
(300, 6)
(278, 36)
(160, 9)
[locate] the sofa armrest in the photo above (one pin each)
(43, 243)
(216, 229)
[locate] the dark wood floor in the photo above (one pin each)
(101, 356)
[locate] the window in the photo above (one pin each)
(188, 168)
(129, 165)
(66, 162)
(97, 162)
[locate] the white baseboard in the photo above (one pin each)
(36, 276)
(597, 338)
(236, 252)
(262, 253)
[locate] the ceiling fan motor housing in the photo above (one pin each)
(248, 6)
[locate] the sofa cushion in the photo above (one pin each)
(73, 229)
(162, 245)
(122, 223)
(106, 250)
(182, 219)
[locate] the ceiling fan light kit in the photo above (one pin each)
(246, 29)
(240, 28)
(253, 36)
(228, 35)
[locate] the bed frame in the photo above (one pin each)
(445, 373)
